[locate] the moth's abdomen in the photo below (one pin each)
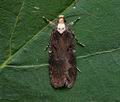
(62, 61)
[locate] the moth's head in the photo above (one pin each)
(61, 19)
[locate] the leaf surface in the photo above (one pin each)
(24, 75)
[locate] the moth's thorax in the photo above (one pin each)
(61, 27)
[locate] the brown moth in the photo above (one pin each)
(62, 60)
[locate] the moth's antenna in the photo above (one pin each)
(46, 19)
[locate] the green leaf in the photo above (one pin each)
(24, 75)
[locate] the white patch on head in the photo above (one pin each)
(61, 28)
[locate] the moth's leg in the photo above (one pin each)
(46, 48)
(79, 43)
(74, 22)
(79, 70)
(50, 22)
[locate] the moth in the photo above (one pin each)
(62, 59)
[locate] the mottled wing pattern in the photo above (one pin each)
(62, 61)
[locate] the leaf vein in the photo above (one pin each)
(98, 53)
(78, 57)
(15, 24)
(10, 57)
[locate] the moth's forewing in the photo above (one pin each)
(62, 61)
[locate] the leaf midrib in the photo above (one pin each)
(3, 65)
(78, 57)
